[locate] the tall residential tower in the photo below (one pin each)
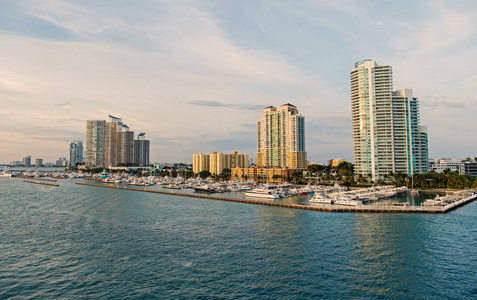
(76, 153)
(141, 150)
(386, 130)
(95, 143)
(281, 138)
(119, 143)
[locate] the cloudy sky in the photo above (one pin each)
(195, 75)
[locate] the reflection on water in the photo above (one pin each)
(79, 241)
(389, 255)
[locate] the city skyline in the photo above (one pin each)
(194, 75)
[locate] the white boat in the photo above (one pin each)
(322, 199)
(6, 173)
(262, 193)
(436, 201)
(347, 201)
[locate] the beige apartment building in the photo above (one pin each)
(281, 138)
(216, 162)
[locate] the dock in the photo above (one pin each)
(376, 208)
(39, 182)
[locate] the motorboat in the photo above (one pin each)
(205, 189)
(322, 199)
(6, 173)
(347, 201)
(262, 193)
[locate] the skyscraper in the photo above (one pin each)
(141, 150)
(281, 138)
(125, 146)
(95, 143)
(76, 153)
(387, 136)
(110, 152)
(119, 143)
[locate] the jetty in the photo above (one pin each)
(36, 181)
(376, 208)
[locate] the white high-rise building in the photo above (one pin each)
(386, 131)
(281, 138)
(95, 143)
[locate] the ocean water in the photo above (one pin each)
(78, 242)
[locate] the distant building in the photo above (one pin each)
(61, 162)
(76, 153)
(119, 143)
(259, 174)
(336, 162)
(125, 146)
(16, 163)
(281, 138)
(454, 165)
(200, 162)
(469, 168)
(39, 162)
(27, 161)
(216, 162)
(95, 143)
(442, 165)
(141, 150)
(387, 135)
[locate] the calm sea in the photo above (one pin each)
(77, 242)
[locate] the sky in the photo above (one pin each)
(196, 75)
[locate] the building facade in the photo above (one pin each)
(27, 161)
(119, 143)
(260, 174)
(216, 162)
(61, 162)
(336, 162)
(462, 166)
(469, 168)
(200, 162)
(76, 153)
(141, 150)
(39, 162)
(387, 136)
(281, 138)
(95, 143)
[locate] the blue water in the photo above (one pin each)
(85, 242)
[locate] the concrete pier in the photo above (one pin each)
(318, 207)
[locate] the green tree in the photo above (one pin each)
(204, 174)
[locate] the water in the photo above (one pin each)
(85, 242)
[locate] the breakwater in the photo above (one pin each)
(39, 182)
(328, 208)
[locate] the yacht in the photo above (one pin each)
(6, 173)
(436, 201)
(347, 201)
(205, 189)
(322, 199)
(262, 193)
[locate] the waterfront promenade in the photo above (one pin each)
(372, 208)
